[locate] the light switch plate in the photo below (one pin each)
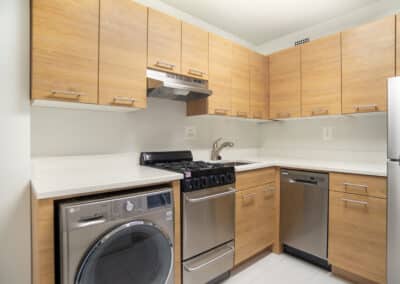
(190, 132)
(327, 133)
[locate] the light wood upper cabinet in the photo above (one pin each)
(220, 77)
(65, 50)
(368, 59)
(357, 235)
(284, 83)
(240, 81)
(398, 45)
(194, 51)
(321, 77)
(123, 48)
(164, 42)
(258, 93)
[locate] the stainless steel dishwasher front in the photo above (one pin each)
(304, 213)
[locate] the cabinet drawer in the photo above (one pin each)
(357, 235)
(254, 178)
(358, 184)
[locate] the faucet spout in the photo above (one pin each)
(216, 149)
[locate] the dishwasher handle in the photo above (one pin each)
(303, 181)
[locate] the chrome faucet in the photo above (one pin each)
(216, 149)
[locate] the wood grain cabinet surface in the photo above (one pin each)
(357, 235)
(284, 83)
(368, 59)
(220, 77)
(123, 51)
(65, 50)
(254, 221)
(164, 42)
(321, 77)
(258, 92)
(398, 45)
(240, 81)
(195, 46)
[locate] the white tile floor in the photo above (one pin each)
(282, 269)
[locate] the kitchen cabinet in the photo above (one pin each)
(258, 86)
(254, 221)
(368, 59)
(195, 45)
(284, 83)
(357, 225)
(398, 45)
(220, 77)
(321, 76)
(240, 81)
(164, 42)
(123, 50)
(65, 50)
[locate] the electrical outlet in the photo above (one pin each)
(190, 132)
(327, 133)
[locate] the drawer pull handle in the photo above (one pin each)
(366, 108)
(123, 100)
(71, 94)
(319, 111)
(195, 268)
(362, 187)
(365, 203)
(165, 65)
(242, 114)
(283, 115)
(221, 111)
(269, 190)
(196, 72)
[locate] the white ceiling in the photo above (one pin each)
(258, 21)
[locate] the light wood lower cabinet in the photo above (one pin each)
(65, 50)
(357, 235)
(254, 221)
(123, 51)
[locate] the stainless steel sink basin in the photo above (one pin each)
(234, 163)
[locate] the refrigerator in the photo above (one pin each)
(393, 166)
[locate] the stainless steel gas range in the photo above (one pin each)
(208, 207)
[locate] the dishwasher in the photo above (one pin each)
(304, 215)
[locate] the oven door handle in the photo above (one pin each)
(200, 266)
(208, 197)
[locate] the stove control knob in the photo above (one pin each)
(204, 182)
(129, 206)
(222, 179)
(230, 177)
(188, 185)
(196, 183)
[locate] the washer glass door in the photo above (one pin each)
(137, 252)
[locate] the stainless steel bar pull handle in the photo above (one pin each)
(196, 72)
(70, 94)
(319, 111)
(165, 65)
(365, 203)
(363, 187)
(91, 222)
(200, 266)
(208, 197)
(121, 99)
(366, 108)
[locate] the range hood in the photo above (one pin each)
(175, 87)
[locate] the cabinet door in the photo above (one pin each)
(357, 235)
(220, 77)
(122, 60)
(321, 77)
(284, 74)
(240, 81)
(246, 219)
(398, 45)
(258, 94)
(194, 51)
(266, 201)
(65, 50)
(368, 60)
(164, 42)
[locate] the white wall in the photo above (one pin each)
(14, 143)
(364, 15)
(160, 127)
(354, 138)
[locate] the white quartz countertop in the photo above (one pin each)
(62, 177)
(374, 169)
(81, 175)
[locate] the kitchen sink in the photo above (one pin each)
(234, 163)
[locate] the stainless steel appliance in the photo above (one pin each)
(208, 203)
(117, 239)
(393, 165)
(304, 215)
(176, 87)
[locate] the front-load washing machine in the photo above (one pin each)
(118, 239)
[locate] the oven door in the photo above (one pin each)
(208, 219)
